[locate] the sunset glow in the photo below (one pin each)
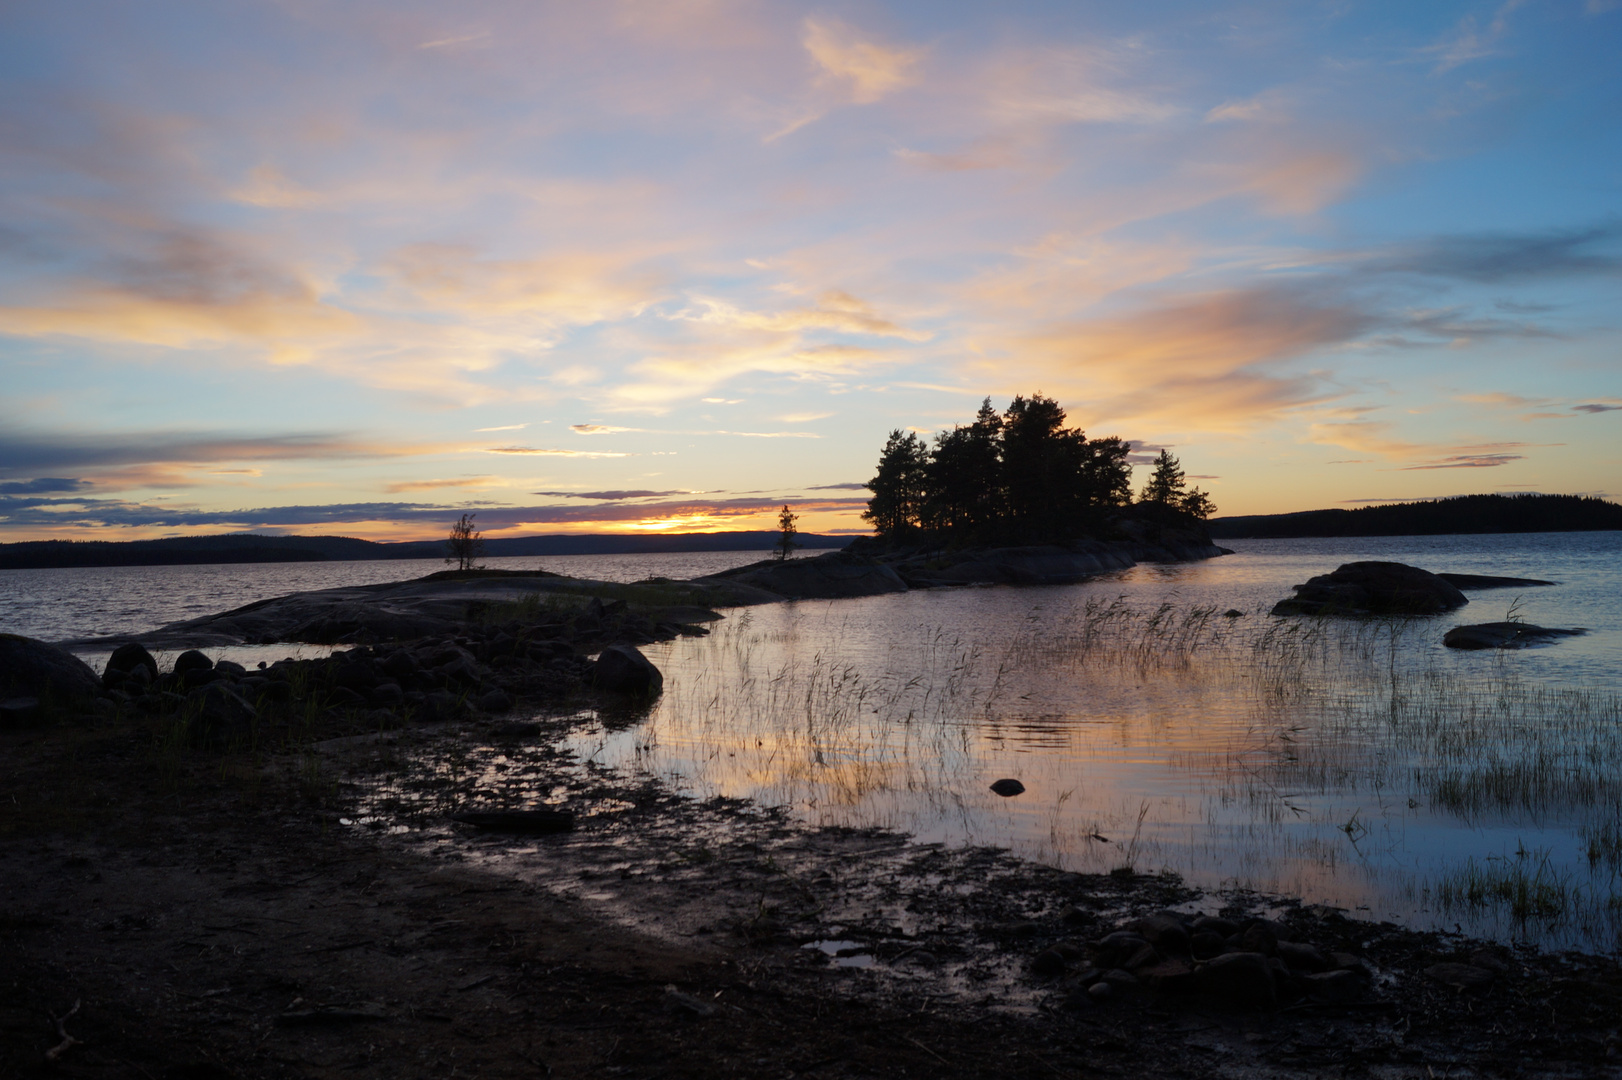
(667, 266)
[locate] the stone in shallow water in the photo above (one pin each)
(621, 669)
(1503, 635)
(1008, 788)
(1373, 588)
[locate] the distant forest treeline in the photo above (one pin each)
(248, 548)
(1461, 514)
(1017, 476)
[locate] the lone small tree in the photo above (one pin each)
(786, 542)
(465, 545)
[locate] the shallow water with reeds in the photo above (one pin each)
(1354, 763)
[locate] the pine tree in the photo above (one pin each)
(898, 490)
(786, 542)
(1165, 486)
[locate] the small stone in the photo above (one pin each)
(1122, 981)
(344, 698)
(192, 660)
(1301, 957)
(1465, 978)
(1221, 927)
(1008, 788)
(129, 656)
(1206, 944)
(1100, 991)
(1240, 979)
(679, 1002)
(231, 669)
(1258, 937)
(1169, 977)
(1334, 986)
(1075, 916)
(1164, 930)
(495, 701)
(1048, 964)
(386, 695)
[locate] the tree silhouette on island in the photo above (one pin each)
(1019, 477)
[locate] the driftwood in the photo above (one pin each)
(518, 821)
(54, 1054)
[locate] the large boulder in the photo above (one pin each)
(621, 669)
(1373, 588)
(125, 659)
(30, 668)
(834, 576)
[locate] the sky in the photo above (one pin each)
(356, 268)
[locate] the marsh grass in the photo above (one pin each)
(1526, 886)
(1305, 751)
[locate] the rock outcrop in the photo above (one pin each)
(1373, 588)
(443, 606)
(837, 575)
(1503, 635)
(1473, 582)
(1037, 565)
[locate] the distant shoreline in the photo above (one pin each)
(249, 548)
(1464, 515)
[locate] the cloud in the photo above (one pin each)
(460, 482)
(597, 429)
(1470, 42)
(25, 453)
(544, 452)
(1207, 358)
(864, 69)
(45, 485)
(504, 427)
(835, 311)
(1468, 461)
(805, 418)
(837, 487)
(62, 514)
(1042, 87)
(1503, 257)
(479, 38)
(613, 495)
(1596, 407)
(993, 152)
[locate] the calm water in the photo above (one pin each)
(1351, 763)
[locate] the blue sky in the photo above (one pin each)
(356, 268)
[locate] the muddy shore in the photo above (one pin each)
(300, 904)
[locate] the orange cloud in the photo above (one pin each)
(865, 69)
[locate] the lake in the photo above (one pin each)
(1353, 763)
